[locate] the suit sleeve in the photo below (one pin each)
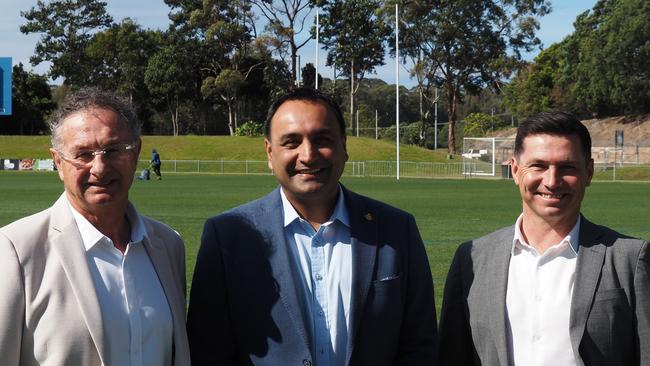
(642, 305)
(12, 305)
(208, 321)
(418, 337)
(456, 345)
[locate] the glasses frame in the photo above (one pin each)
(121, 149)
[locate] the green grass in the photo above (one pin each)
(222, 147)
(448, 212)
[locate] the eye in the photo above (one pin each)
(290, 143)
(110, 151)
(84, 156)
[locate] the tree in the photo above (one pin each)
(354, 35)
(31, 103)
(119, 57)
(286, 21)
(308, 77)
(67, 27)
(468, 45)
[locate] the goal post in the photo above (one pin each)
(483, 156)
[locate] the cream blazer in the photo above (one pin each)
(49, 313)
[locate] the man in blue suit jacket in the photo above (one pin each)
(311, 274)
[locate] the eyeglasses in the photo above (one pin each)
(85, 158)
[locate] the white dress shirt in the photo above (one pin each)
(538, 301)
(137, 320)
(323, 268)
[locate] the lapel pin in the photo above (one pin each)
(368, 216)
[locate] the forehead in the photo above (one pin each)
(567, 147)
(93, 123)
(303, 115)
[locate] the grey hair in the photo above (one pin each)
(89, 98)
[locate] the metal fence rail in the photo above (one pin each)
(408, 169)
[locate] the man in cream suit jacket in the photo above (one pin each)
(89, 281)
(554, 289)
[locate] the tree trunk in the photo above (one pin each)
(352, 96)
(423, 131)
(231, 126)
(452, 102)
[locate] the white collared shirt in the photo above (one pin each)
(538, 301)
(323, 267)
(137, 320)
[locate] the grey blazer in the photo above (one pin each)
(610, 307)
(49, 313)
(245, 309)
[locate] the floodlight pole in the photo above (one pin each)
(397, 82)
(435, 121)
(317, 46)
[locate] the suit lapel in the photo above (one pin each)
(66, 241)
(591, 255)
(270, 221)
(364, 234)
(496, 294)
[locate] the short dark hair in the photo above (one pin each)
(304, 94)
(556, 124)
(89, 98)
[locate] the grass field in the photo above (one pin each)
(448, 212)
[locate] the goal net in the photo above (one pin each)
(484, 156)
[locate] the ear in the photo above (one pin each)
(57, 162)
(345, 148)
(269, 153)
(138, 147)
(515, 169)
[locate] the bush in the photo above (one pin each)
(250, 129)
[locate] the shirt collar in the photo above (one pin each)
(91, 236)
(573, 238)
(340, 210)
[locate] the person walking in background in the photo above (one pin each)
(90, 281)
(312, 273)
(155, 163)
(554, 288)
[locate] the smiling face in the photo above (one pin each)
(106, 181)
(552, 174)
(306, 151)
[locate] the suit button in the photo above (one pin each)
(306, 362)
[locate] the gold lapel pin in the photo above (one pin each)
(368, 216)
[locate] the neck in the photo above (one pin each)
(542, 234)
(316, 212)
(112, 222)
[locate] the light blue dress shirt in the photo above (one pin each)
(323, 268)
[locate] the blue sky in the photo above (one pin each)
(153, 14)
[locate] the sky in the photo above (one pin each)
(153, 14)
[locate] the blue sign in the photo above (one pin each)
(5, 86)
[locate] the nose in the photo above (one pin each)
(98, 165)
(308, 152)
(552, 177)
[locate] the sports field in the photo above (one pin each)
(448, 212)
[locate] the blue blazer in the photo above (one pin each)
(244, 308)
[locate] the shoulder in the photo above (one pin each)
(250, 211)
(28, 231)
(614, 241)
(168, 235)
(358, 202)
(486, 245)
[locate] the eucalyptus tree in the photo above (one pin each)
(66, 28)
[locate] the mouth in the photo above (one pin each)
(551, 196)
(309, 171)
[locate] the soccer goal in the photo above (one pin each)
(484, 156)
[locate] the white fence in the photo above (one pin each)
(408, 169)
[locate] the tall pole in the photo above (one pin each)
(317, 46)
(397, 82)
(377, 134)
(435, 121)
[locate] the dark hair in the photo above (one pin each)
(556, 124)
(89, 98)
(304, 94)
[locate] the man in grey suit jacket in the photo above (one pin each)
(311, 274)
(554, 289)
(89, 281)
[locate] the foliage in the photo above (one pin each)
(308, 76)
(31, 103)
(480, 124)
(354, 35)
(66, 27)
(250, 129)
(464, 46)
